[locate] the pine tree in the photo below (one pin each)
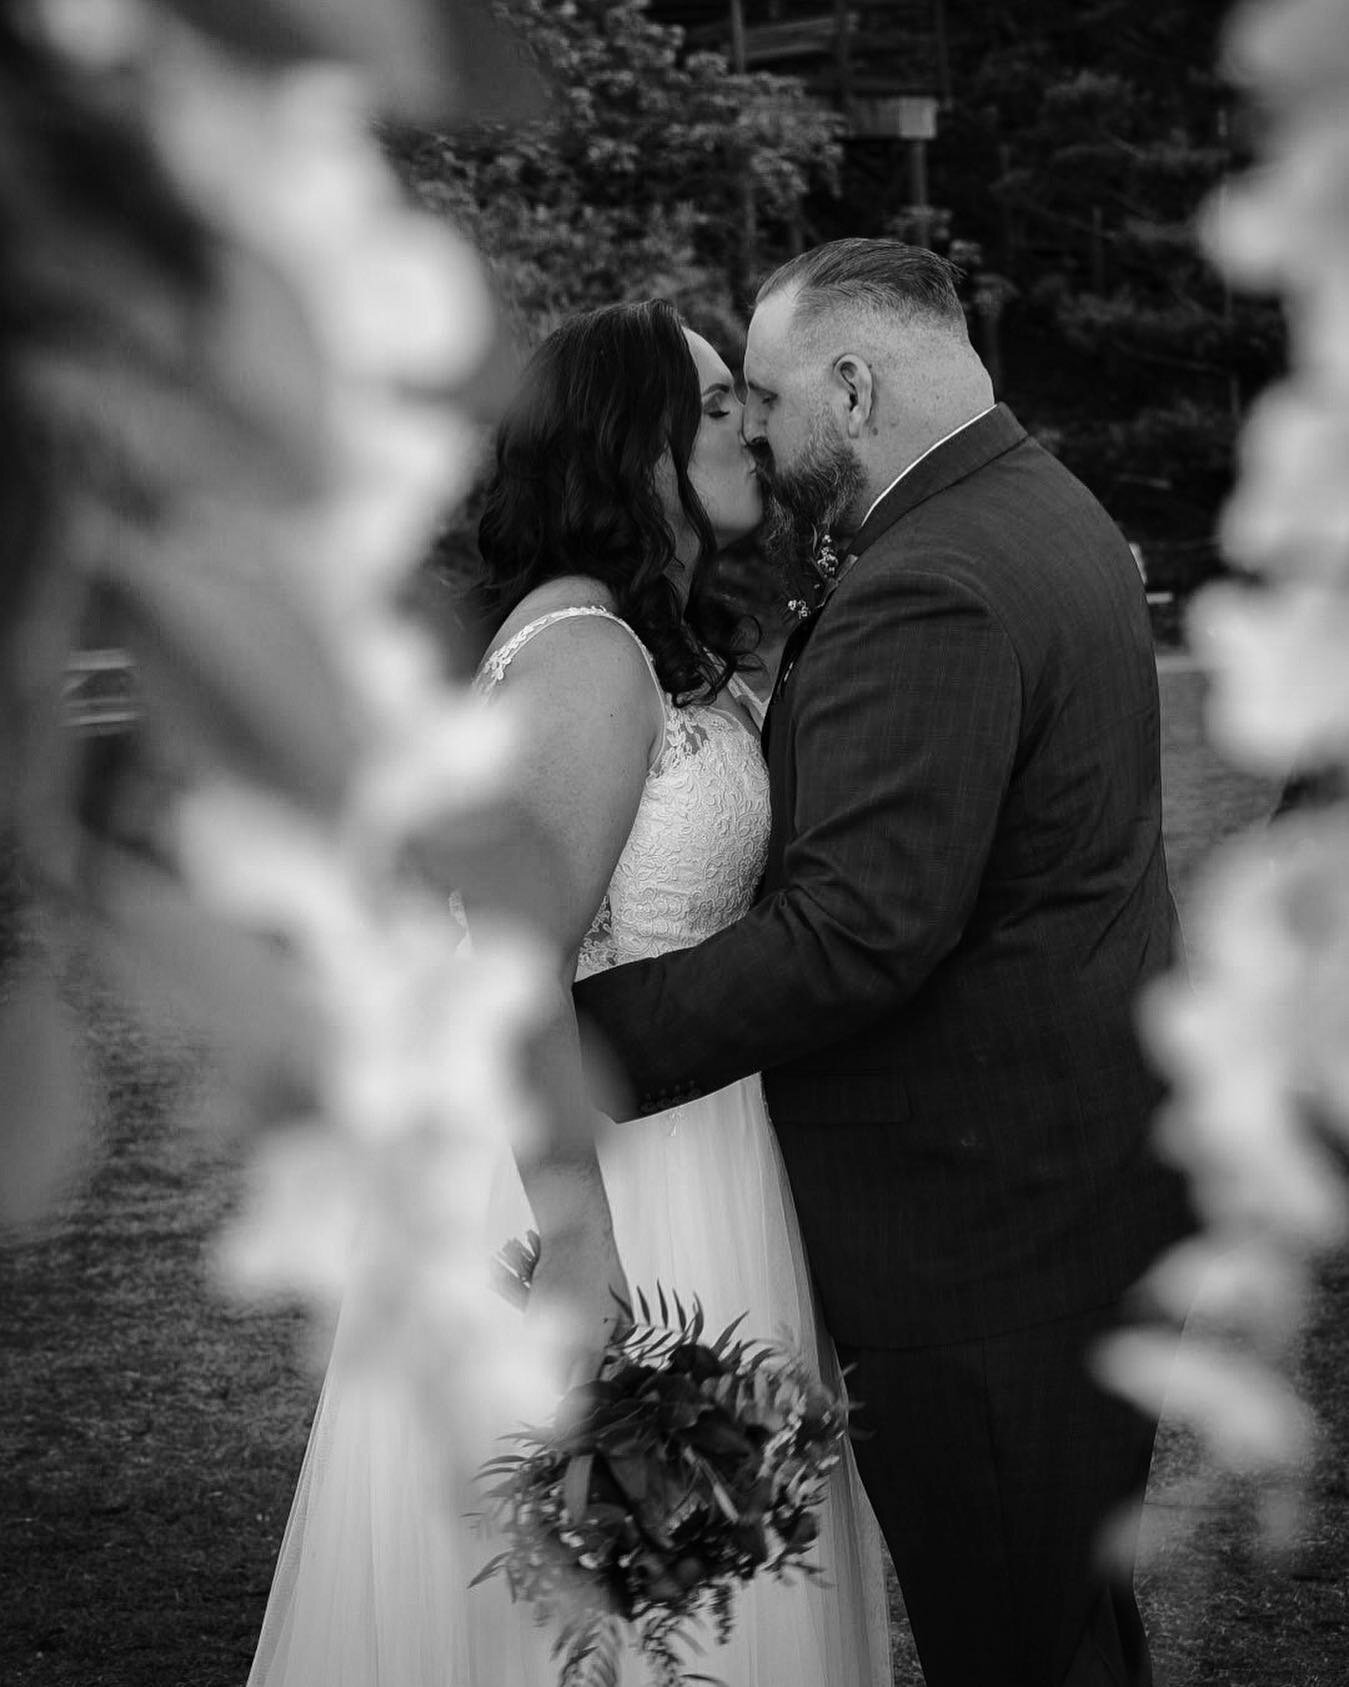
(1083, 142)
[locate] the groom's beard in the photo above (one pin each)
(813, 497)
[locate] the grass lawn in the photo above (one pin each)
(151, 1433)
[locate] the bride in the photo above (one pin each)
(620, 473)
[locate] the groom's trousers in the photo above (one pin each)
(992, 1466)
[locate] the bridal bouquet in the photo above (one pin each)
(685, 1469)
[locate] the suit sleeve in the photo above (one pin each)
(905, 723)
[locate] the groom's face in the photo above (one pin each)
(810, 471)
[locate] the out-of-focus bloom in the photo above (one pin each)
(315, 376)
(302, 1215)
(1255, 1041)
(96, 33)
(1280, 696)
(1280, 226)
(1295, 52)
(1251, 1419)
(453, 759)
(1289, 514)
(1247, 1284)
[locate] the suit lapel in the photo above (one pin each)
(974, 447)
(953, 460)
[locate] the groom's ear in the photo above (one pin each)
(853, 375)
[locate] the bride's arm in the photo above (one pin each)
(589, 722)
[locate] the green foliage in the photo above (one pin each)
(635, 183)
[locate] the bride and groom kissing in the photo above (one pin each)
(869, 963)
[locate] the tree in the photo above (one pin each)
(633, 186)
(1083, 142)
(635, 183)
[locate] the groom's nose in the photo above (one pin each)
(752, 420)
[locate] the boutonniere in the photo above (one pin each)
(826, 557)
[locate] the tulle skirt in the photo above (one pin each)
(371, 1586)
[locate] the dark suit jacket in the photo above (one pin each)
(965, 893)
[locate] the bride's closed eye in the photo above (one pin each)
(721, 404)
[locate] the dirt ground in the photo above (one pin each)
(150, 1433)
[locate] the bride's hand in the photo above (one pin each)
(577, 1287)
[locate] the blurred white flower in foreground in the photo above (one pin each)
(1256, 1042)
(297, 423)
(1280, 697)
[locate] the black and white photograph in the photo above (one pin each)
(674, 865)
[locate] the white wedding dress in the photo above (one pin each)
(371, 1587)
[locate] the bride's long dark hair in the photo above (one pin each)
(574, 491)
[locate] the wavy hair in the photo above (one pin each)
(573, 490)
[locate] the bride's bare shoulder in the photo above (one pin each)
(586, 678)
(583, 656)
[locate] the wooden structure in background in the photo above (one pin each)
(881, 63)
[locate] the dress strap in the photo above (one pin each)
(493, 669)
(750, 700)
(494, 664)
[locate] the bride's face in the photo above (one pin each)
(721, 469)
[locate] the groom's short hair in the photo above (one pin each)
(883, 275)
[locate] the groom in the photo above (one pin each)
(965, 893)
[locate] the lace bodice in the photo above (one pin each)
(696, 849)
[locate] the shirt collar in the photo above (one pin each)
(914, 464)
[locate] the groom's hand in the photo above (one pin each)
(576, 1288)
